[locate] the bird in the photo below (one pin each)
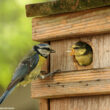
(83, 53)
(29, 68)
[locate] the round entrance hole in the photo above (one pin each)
(83, 53)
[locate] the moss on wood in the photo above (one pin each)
(63, 6)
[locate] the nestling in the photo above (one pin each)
(83, 53)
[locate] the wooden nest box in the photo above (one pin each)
(62, 23)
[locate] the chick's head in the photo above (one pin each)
(80, 48)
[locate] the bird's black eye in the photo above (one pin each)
(35, 47)
(76, 47)
(47, 49)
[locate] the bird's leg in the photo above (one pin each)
(39, 76)
(42, 72)
(48, 74)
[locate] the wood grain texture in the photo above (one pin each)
(62, 6)
(95, 21)
(62, 60)
(76, 83)
(81, 103)
(101, 52)
(80, 81)
(43, 104)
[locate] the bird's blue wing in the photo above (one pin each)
(20, 71)
(34, 61)
(26, 66)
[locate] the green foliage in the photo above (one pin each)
(15, 37)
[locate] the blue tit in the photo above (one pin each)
(28, 68)
(83, 53)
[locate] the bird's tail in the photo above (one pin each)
(5, 95)
(2, 98)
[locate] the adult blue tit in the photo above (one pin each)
(28, 68)
(83, 53)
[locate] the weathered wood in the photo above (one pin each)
(62, 60)
(44, 104)
(81, 103)
(62, 6)
(95, 21)
(85, 81)
(76, 83)
(101, 53)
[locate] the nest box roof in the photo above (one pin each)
(62, 6)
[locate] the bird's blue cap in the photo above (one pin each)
(35, 47)
(43, 45)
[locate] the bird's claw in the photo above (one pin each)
(58, 70)
(52, 73)
(43, 72)
(49, 74)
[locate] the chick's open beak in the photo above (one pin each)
(72, 52)
(52, 51)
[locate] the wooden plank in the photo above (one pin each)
(90, 22)
(81, 103)
(62, 60)
(44, 104)
(75, 83)
(101, 53)
(62, 6)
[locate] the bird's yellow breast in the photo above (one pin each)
(84, 60)
(35, 72)
(37, 69)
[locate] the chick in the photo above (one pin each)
(83, 53)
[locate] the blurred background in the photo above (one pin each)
(15, 42)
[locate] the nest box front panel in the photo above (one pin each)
(62, 60)
(75, 80)
(91, 27)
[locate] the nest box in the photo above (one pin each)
(62, 23)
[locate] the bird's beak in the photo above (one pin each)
(52, 51)
(72, 52)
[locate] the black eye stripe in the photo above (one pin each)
(76, 47)
(46, 48)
